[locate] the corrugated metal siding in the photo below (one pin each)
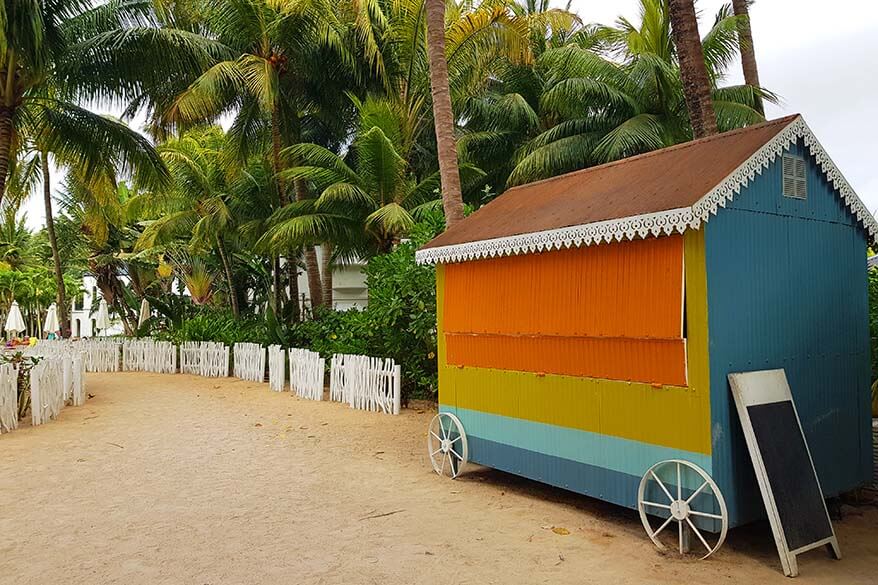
(669, 416)
(787, 289)
(612, 312)
(630, 289)
(664, 419)
(661, 361)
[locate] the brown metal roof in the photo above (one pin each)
(666, 179)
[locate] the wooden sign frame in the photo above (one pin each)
(766, 387)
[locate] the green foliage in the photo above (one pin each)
(402, 304)
(400, 320)
(215, 325)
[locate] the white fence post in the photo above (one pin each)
(397, 388)
(8, 398)
(306, 373)
(366, 383)
(250, 362)
(47, 390)
(276, 367)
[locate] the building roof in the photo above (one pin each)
(657, 193)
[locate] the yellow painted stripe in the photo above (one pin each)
(671, 416)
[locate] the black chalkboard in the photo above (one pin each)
(793, 481)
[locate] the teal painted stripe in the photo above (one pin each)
(605, 451)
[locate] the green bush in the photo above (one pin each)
(214, 325)
(399, 322)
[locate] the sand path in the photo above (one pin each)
(175, 479)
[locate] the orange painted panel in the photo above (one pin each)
(660, 361)
(630, 289)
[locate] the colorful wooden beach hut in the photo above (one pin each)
(587, 323)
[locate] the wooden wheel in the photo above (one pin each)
(687, 495)
(447, 445)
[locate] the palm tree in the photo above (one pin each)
(367, 200)
(443, 116)
(613, 93)
(41, 84)
(195, 208)
(280, 55)
(748, 52)
(107, 231)
(56, 53)
(696, 85)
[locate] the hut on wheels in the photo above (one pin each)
(587, 323)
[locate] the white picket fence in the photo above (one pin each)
(46, 390)
(204, 358)
(101, 355)
(149, 355)
(250, 362)
(366, 383)
(8, 398)
(276, 367)
(363, 382)
(306, 373)
(74, 379)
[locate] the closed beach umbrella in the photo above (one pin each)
(144, 313)
(51, 324)
(103, 320)
(14, 321)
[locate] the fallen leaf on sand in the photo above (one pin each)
(560, 530)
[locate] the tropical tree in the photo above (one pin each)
(615, 93)
(107, 232)
(367, 200)
(279, 67)
(696, 85)
(194, 208)
(39, 113)
(748, 52)
(443, 116)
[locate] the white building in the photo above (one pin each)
(348, 285)
(82, 320)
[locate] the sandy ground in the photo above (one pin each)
(175, 479)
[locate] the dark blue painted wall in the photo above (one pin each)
(787, 288)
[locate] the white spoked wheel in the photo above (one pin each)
(446, 444)
(686, 493)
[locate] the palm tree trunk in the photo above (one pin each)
(61, 298)
(5, 146)
(326, 272)
(443, 116)
(696, 85)
(6, 111)
(312, 266)
(275, 156)
(278, 286)
(230, 280)
(748, 52)
(293, 275)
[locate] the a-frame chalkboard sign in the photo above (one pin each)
(784, 468)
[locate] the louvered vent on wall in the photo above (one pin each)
(794, 182)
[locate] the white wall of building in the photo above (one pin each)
(348, 285)
(82, 320)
